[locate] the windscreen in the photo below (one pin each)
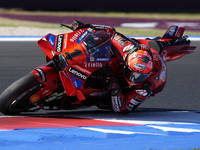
(98, 44)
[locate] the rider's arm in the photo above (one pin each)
(137, 96)
(127, 102)
(117, 98)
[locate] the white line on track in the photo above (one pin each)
(186, 130)
(19, 38)
(143, 122)
(118, 131)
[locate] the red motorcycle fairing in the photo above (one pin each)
(71, 85)
(171, 52)
(49, 77)
(177, 51)
(173, 32)
(83, 52)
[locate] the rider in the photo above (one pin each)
(143, 73)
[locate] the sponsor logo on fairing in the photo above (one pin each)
(93, 64)
(103, 59)
(77, 83)
(76, 35)
(59, 43)
(51, 38)
(77, 73)
(42, 74)
(100, 59)
(89, 30)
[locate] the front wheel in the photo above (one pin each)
(15, 98)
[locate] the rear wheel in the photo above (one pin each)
(15, 98)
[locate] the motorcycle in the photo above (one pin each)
(77, 73)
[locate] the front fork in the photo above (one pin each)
(49, 78)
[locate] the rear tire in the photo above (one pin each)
(15, 98)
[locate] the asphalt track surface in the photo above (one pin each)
(170, 120)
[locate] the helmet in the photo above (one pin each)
(138, 64)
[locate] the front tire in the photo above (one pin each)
(15, 98)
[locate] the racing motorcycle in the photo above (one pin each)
(76, 73)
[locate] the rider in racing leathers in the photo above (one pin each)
(143, 73)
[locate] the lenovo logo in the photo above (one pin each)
(59, 43)
(77, 73)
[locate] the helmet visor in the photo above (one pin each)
(134, 77)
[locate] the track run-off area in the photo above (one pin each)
(143, 129)
(170, 120)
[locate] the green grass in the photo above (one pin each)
(127, 31)
(15, 23)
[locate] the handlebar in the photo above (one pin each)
(64, 25)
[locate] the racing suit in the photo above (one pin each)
(125, 98)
